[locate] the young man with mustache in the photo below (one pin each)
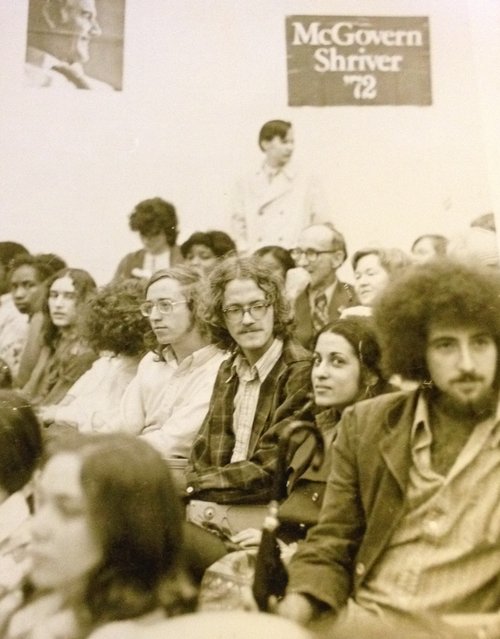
(410, 522)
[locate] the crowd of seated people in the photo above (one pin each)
(155, 406)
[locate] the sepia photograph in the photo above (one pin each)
(249, 319)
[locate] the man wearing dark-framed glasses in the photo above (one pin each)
(320, 252)
(261, 387)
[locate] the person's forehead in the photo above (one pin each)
(62, 475)
(439, 330)
(165, 288)
(368, 261)
(23, 273)
(63, 284)
(316, 237)
(243, 290)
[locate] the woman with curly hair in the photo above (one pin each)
(114, 328)
(156, 222)
(105, 554)
(65, 355)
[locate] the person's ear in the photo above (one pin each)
(54, 13)
(337, 259)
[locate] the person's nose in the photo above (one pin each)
(58, 301)
(18, 293)
(155, 313)
(466, 359)
(247, 319)
(320, 370)
(41, 523)
(95, 29)
(302, 260)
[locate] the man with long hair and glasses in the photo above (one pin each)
(259, 389)
(167, 400)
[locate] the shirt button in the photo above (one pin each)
(315, 497)
(190, 490)
(360, 569)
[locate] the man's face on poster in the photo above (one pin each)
(74, 23)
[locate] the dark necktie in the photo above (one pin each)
(319, 315)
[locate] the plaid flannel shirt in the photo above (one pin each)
(283, 396)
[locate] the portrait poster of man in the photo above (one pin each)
(75, 44)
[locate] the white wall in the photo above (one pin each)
(201, 76)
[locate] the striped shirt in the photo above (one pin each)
(444, 555)
(250, 379)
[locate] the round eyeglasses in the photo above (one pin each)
(165, 307)
(236, 312)
(311, 255)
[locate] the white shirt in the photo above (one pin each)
(166, 402)
(93, 402)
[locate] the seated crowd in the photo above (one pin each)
(142, 427)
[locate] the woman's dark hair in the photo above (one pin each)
(360, 333)
(154, 216)
(112, 321)
(137, 519)
(444, 292)
(191, 282)
(44, 264)
(279, 253)
(218, 242)
(84, 285)
(20, 441)
(233, 268)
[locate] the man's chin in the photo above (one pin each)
(471, 407)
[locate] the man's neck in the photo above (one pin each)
(324, 284)
(188, 345)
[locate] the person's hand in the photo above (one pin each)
(247, 538)
(294, 606)
(296, 281)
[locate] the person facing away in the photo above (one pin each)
(273, 203)
(167, 400)
(320, 297)
(103, 552)
(259, 389)
(59, 37)
(114, 328)
(410, 521)
(156, 222)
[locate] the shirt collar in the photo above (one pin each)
(271, 172)
(262, 366)
(197, 358)
(421, 433)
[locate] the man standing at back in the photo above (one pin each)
(410, 522)
(320, 252)
(274, 203)
(261, 388)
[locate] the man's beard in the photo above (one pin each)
(474, 409)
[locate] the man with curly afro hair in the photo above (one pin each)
(410, 522)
